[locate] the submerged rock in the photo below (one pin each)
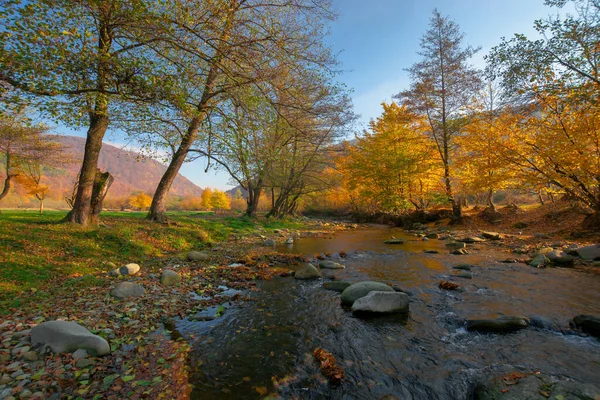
(336, 286)
(197, 256)
(394, 241)
(491, 235)
(504, 323)
(331, 265)
(589, 324)
(455, 245)
(432, 236)
(464, 267)
(471, 239)
(459, 252)
(67, 336)
(361, 289)
(381, 302)
(308, 272)
(520, 386)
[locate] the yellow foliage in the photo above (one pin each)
(140, 201)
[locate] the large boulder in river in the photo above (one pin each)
(361, 289)
(589, 324)
(127, 289)
(589, 252)
(308, 272)
(67, 337)
(504, 323)
(330, 265)
(381, 302)
(336, 286)
(197, 256)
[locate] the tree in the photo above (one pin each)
(206, 199)
(25, 150)
(220, 51)
(140, 201)
(557, 79)
(219, 200)
(442, 86)
(392, 168)
(75, 61)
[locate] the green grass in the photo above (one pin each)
(34, 249)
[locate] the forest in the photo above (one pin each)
(280, 125)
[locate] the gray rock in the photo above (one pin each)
(66, 336)
(336, 286)
(503, 323)
(491, 235)
(539, 261)
(331, 265)
(589, 324)
(455, 245)
(197, 256)
(13, 367)
(127, 289)
(432, 236)
(129, 269)
(464, 274)
(79, 354)
(5, 379)
(269, 243)
(169, 278)
(589, 252)
(540, 236)
(394, 241)
(361, 289)
(470, 239)
(381, 302)
(560, 257)
(308, 272)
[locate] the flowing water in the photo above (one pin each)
(265, 346)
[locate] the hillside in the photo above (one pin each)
(132, 173)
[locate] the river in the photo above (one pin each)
(264, 347)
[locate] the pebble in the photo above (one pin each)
(30, 356)
(84, 362)
(17, 373)
(13, 367)
(25, 394)
(79, 354)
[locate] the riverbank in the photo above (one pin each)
(53, 272)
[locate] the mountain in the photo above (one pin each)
(132, 172)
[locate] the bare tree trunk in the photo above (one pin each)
(254, 190)
(102, 183)
(41, 206)
(541, 198)
(159, 200)
(7, 186)
(80, 214)
(490, 200)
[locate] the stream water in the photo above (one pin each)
(265, 346)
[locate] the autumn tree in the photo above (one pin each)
(442, 86)
(76, 61)
(219, 200)
(392, 167)
(557, 79)
(25, 150)
(206, 199)
(140, 201)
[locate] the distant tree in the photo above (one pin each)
(219, 200)
(191, 203)
(25, 150)
(442, 86)
(206, 199)
(140, 201)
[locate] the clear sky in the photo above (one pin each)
(378, 39)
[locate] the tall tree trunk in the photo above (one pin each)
(7, 185)
(490, 200)
(254, 190)
(102, 183)
(159, 200)
(80, 214)
(41, 206)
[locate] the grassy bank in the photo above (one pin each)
(38, 249)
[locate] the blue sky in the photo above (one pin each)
(378, 39)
